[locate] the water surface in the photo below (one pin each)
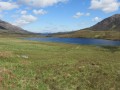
(82, 41)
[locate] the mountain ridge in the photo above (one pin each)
(110, 23)
(8, 28)
(109, 28)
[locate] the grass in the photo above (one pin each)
(112, 35)
(28, 65)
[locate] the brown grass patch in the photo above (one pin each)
(6, 54)
(4, 71)
(24, 62)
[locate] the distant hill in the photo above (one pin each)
(108, 28)
(7, 28)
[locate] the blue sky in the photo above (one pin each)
(56, 15)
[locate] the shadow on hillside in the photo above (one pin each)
(112, 49)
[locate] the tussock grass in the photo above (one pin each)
(6, 54)
(52, 66)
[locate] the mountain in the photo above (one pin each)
(7, 28)
(108, 28)
(110, 23)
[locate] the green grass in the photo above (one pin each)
(112, 35)
(27, 65)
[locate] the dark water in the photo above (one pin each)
(82, 41)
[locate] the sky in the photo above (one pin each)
(49, 16)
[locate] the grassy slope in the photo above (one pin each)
(27, 65)
(112, 35)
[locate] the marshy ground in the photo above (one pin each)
(28, 65)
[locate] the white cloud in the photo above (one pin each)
(41, 3)
(78, 15)
(105, 5)
(7, 5)
(87, 14)
(25, 19)
(24, 12)
(39, 12)
(96, 19)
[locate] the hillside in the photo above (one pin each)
(110, 23)
(108, 28)
(7, 28)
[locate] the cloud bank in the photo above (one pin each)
(41, 3)
(105, 5)
(25, 19)
(7, 5)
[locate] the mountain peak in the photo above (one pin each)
(110, 23)
(116, 15)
